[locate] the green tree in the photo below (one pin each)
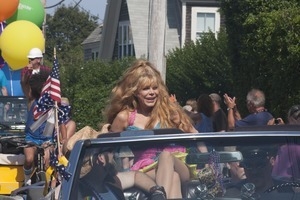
(200, 67)
(66, 30)
(90, 91)
(264, 46)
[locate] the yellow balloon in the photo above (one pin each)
(16, 41)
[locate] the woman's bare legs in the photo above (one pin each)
(170, 173)
(127, 179)
(29, 153)
(143, 181)
(135, 178)
(176, 187)
(71, 128)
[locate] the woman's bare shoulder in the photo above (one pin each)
(123, 115)
(120, 122)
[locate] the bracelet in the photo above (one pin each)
(229, 108)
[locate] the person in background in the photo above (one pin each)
(219, 117)
(287, 164)
(258, 116)
(190, 106)
(190, 109)
(203, 117)
(256, 107)
(173, 98)
(68, 128)
(293, 117)
(98, 177)
(34, 66)
(140, 100)
(13, 81)
(3, 84)
(124, 180)
(34, 137)
(257, 162)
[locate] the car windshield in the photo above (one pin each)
(235, 165)
(13, 110)
(13, 114)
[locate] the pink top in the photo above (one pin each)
(149, 156)
(132, 117)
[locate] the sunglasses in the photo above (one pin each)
(31, 59)
(254, 164)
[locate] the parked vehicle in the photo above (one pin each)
(13, 114)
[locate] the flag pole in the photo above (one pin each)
(56, 118)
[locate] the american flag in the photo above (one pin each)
(52, 88)
(52, 84)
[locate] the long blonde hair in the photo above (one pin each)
(142, 73)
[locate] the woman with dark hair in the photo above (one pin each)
(36, 137)
(99, 167)
(98, 177)
(205, 109)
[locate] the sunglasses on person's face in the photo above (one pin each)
(31, 59)
(254, 164)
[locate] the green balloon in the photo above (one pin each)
(30, 10)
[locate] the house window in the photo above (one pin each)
(87, 54)
(125, 41)
(95, 55)
(204, 19)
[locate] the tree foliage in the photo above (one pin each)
(200, 67)
(258, 49)
(90, 89)
(264, 46)
(66, 30)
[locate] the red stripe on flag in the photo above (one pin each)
(52, 86)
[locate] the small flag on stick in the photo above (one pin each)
(52, 84)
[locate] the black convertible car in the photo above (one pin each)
(254, 163)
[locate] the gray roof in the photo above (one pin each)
(95, 36)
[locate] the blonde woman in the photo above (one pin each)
(140, 100)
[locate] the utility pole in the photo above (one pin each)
(44, 23)
(157, 26)
(44, 28)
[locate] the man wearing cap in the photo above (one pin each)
(257, 162)
(34, 66)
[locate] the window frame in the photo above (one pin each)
(125, 44)
(205, 10)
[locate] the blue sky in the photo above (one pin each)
(95, 7)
